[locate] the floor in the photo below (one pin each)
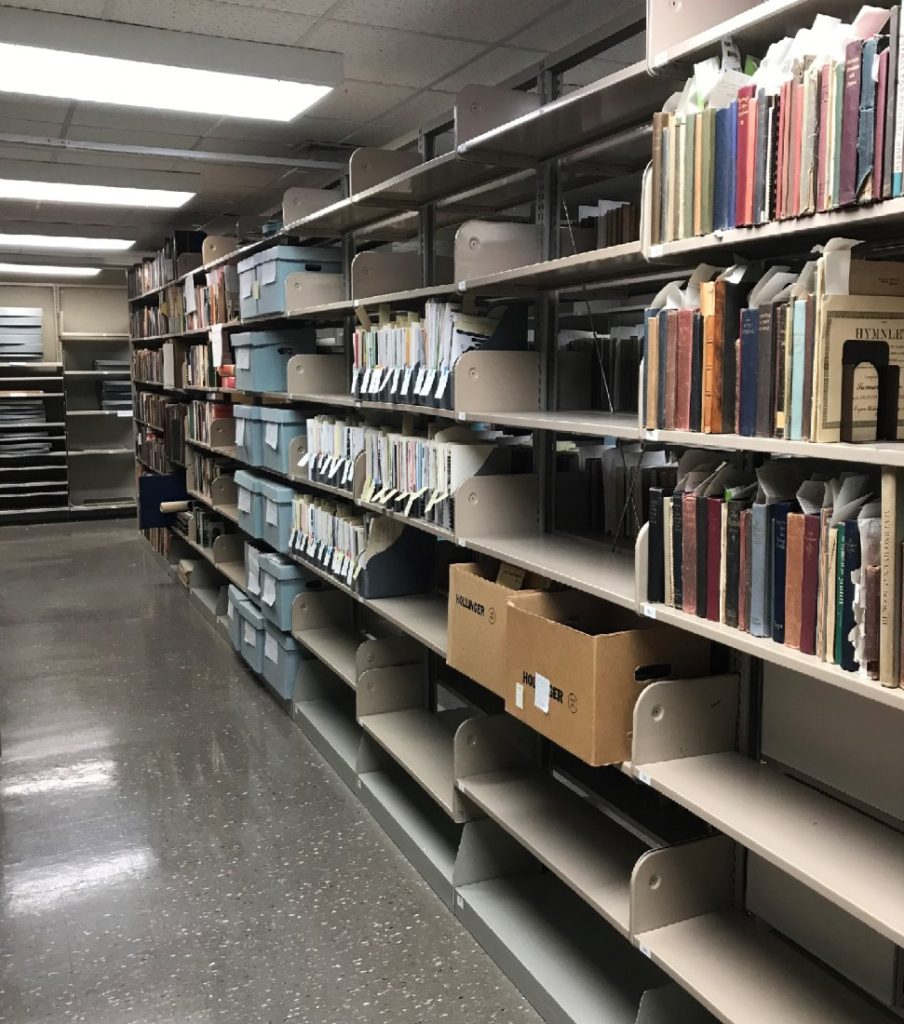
(173, 850)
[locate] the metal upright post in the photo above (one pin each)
(426, 220)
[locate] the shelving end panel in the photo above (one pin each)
(481, 108)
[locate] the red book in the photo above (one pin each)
(750, 173)
(744, 573)
(797, 110)
(780, 165)
(809, 579)
(850, 124)
(745, 95)
(822, 145)
(671, 368)
(689, 554)
(684, 359)
(879, 145)
(713, 557)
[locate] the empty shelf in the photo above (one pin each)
(336, 647)
(591, 422)
(745, 974)
(590, 853)
(421, 742)
(423, 616)
(578, 563)
(850, 859)
(332, 729)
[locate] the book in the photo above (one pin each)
(809, 584)
(742, 166)
(848, 659)
(778, 544)
(677, 506)
(748, 372)
(667, 555)
(897, 163)
(872, 581)
(835, 158)
(850, 123)
(729, 300)
(831, 604)
(809, 351)
(890, 602)
(708, 170)
(723, 169)
(651, 369)
(866, 128)
(656, 570)
(891, 103)
(688, 174)
(734, 560)
(798, 355)
(840, 554)
(822, 145)
(690, 555)
(765, 377)
(760, 604)
(671, 370)
(744, 572)
(684, 358)
(701, 554)
(710, 392)
(659, 119)
(681, 189)
(696, 410)
(760, 157)
(879, 129)
(714, 585)
(697, 176)
(794, 574)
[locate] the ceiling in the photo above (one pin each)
(404, 61)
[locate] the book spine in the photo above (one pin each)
(879, 133)
(656, 180)
(702, 579)
(798, 341)
(650, 366)
(794, 570)
(677, 549)
(831, 578)
(697, 217)
(765, 414)
(891, 102)
(662, 333)
(760, 157)
(741, 143)
(707, 303)
(748, 372)
(722, 169)
(681, 185)
(809, 584)
(743, 606)
(656, 558)
(759, 529)
(898, 153)
(718, 355)
(713, 558)
(850, 124)
(733, 159)
(667, 555)
(892, 534)
(823, 138)
(709, 168)
(840, 552)
(687, 193)
(778, 560)
(671, 370)
(732, 558)
(837, 111)
(851, 566)
(866, 128)
(781, 150)
(872, 585)
(797, 105)
(689, 553)
(807, 428)
(697, 372)
(728, 324)
(684, 359)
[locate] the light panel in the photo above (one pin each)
(72, 243)
(37, 71)
(96, 195)
(43, 270)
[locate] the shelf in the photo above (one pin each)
(423, 616)
(101, 451)
(84, 336)
(778, 654)
(591, 854)
(881, 453)
(336, 647)
(123, 414)
(586, 115)
(333, 731)
(421, 742)
(850, 859)
(745, 974)
(231, 512)
(567, 271)
(443, 532)
(32, 425)
(565, 959)
(590, 423)
(104, 506)
(881, 220)
(578, 563)
(98, 374)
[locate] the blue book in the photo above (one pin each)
(663, 362)
(867, 123)
(778, 546)
(731, 210)
(760, 624)
(795, 416)
(723, 169)
(749, 371)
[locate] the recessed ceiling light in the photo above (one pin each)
(41, 270)
(73, 242)
(37, 71)
(97, 195)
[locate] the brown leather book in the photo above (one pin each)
(708, 311)
(671, 368)
(809, 589)
(684, 358)
(689, 553)
(794, 571)
(872, 584)
(652, 373)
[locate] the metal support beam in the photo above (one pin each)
(426, 223)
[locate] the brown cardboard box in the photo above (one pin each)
(478, 614)
(575, 665)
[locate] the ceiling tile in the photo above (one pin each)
(361, 101)
(373, 135)
(210, 18)
(573, 19)
(120, 136)
(34, 108)
(592, 71)
(491, 68)
(389, 56)
(312, 7)
(83, 8)
(100, 159)
(106, 116)
(465, 19)
(424, 106)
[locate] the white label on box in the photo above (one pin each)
(268, 272)
(441, 387)
(255, 289)
(243, 357)
(249, 635)
(519, 695)
(246, 280)
(239, 431)
(269, 590)
(244, 500)
(429, 378)
(406, 380)
(365, 383)
(396, 377)
(271, 648)
(271, 435)
(541, 693)
(272, 512)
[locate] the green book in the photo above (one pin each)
(832, 198)
(707, 176)
(687, 195)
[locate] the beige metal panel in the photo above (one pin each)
(394, 688)
(381, 273)
(319, 296)
(368, 167)
(495, 743)
(488, 247)
(314, 375)
(299, 203)
(423, 616)
(482, 108)
(589, 422)
(99, 311)
(222, 433)
(215, 247)
(671, 1005)
(335, 646)
(851, 746)
(850, 859)
(844, 943)
(678, 718)
(501, 504)
(321, 608)
(500, 381)
(386, 651)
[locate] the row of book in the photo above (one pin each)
(412, 357)
(152, 450)
(199, 415)
(203, 470)
(151, 408)
(332, 534)
(793, 354)
(180, 253)
(601, 370)
(214, 302)
(816, 125)
(418, 476)
(618, 225)
(147, 365)
(333, 444)
(198, 369)
(809, 561)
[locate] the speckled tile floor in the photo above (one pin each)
(173, 850)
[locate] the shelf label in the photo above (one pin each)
(244, 500)
(642, 777)
(646, 952)
(649, 611)
(125, 414)
(271, 648)
(249, 636)
(656, 251)
(272, 513)
(271, 435)
(268, 595)
(243, 357)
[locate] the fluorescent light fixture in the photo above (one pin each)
(96, 195)
(68, 242)
(37, 71)
(44, 270)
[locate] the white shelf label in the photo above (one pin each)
(541, 693)
(271, 648)
(125, 414)
(239, 431)
(272, 512)
(649, 611)
(244, 500)
(271, 435)
(243, 357)
(642, 777)
(656, 251)
(269, 590)
(249, 635)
